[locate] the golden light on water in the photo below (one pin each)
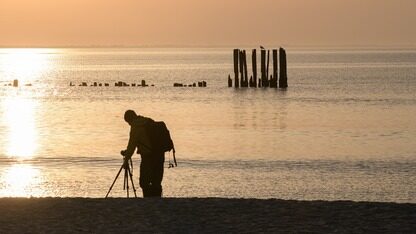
(26, 65)
(21, 180)
(18, 114)
(21, 135)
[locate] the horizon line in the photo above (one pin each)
(369, 46)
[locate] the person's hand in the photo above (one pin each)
(123, 152)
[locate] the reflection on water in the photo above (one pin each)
(19, 117)
(21, 180)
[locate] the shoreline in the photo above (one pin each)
(202, 215)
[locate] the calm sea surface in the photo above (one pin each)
(344, 129)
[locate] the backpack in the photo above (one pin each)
(160, 138)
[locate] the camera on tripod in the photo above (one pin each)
(123, 153)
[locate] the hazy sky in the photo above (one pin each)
(207, 22)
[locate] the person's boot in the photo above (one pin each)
(157, 191)
(147, 192)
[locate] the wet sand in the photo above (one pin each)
(202, 215)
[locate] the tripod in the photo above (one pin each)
(127, 174)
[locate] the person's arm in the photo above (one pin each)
(131, 146)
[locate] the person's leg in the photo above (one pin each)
(145, 176)
(157, 174)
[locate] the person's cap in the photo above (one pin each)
(129, 115)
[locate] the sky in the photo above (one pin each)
(50, 23)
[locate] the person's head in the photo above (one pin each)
(129, 116)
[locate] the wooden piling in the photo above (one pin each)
(254, 65)
(241, 58)
(15, 83)
(245, 69)
(236, 56)
(177, 85)
(267, 69)
(263, 67)
(283, 69)
(277, 79)
(273, 84)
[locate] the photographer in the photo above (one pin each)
(152, 159)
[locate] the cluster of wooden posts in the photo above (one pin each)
(200, 84)
(15, 83)
(240, 70)
(117, 84)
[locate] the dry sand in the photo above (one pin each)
(202, 215)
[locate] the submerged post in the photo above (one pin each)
(263, 68)
(273, 83)
(283, 69)
(254, 65)
(236, 80)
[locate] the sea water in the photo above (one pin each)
(345, 129)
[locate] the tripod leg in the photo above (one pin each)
(132, 183)
(126, 178)
(114, 181)
(124, 183)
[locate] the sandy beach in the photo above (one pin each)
(202, 215)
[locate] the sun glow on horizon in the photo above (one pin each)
(25, 65)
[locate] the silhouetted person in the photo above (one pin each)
(151, 166)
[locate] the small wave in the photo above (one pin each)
(342, 166)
